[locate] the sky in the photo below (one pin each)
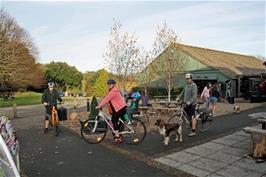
(77, 32)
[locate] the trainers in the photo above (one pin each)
(118, 140)
(192, 134)
(45, 131)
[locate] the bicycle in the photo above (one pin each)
(54, 116)
(203, 116)
(94, 130)
(54, 121)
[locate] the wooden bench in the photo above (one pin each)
(258, 142)
(263, 122)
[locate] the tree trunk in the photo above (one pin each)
(169, 88)
(145, 91)
(258, 146)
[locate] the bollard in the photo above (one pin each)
(88, 105)
(75, 103)
(14, 110)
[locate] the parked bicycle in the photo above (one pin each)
(94, 130)
(204, 117)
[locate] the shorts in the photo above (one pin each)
(48, 112)
(213, 99)
(190, 111)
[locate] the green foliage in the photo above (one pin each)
(64, 75)
(90, 77)
(100, 87)
(94, 112)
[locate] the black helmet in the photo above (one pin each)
(111, 81)
(51, 84)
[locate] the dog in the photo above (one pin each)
(166, 130)
(236, 109)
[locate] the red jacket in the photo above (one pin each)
(116, 99)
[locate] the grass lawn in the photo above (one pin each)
(31, 98)
(26, 98)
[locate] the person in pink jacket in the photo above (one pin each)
(118, 106)
(205, 95)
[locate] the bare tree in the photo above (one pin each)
(168, 60)
(122, 55)
(145, 76)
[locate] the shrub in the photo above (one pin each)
(94, 112)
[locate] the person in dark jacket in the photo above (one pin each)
(49, 99)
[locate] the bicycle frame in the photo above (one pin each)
(184, 115)
(54, 116)
(106, 118)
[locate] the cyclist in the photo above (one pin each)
(49, 99)
(118, 106)
(189, 96)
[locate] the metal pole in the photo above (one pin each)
(14, 110)
(88, 105)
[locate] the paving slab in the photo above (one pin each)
(225, 141)
(224, 157)
(169, 162)
(236, 137)
(194, 170)
(208, 164)
(233, 171)
(214, 175)
(199, 150)
(241, 133)
(242, 145)
(251, 165)
(183, 157)
(235, 151)
(213, 145)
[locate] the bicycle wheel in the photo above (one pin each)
(93, 137)
(177, 118)
(135, 132)
(205, 122)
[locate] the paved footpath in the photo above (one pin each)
(222, 157)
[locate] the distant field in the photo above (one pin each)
(30, 98)
(25, 98)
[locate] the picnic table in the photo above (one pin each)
(168, 103)
(146, 111)
(258, 137)
(261, 117)
(162, 97)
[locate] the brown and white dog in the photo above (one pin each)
(166, 130)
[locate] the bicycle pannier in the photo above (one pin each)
(62, 113)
